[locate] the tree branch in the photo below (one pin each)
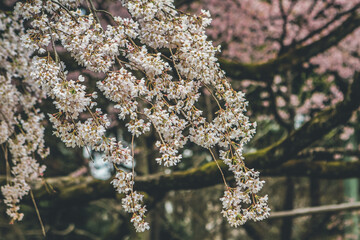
(313, 210)
(318, 169)
(79, 190)
(326, 25)
(275, 110)
(311, 131)
(291, 59)
(70, 190)
(320, 153)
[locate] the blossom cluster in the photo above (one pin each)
(245, 193)
(21, 130)
(156, 64)
(123, 182)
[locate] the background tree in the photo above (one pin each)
(297, 62)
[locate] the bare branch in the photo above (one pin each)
(318, 169)
(315, 210)
(320, 153)
(291, 59)
(311, 131)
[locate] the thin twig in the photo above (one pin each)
(103, 11)
(67, 10)
(133, 161)
(38, 213)
(5, 150)
(93, 10)
(217, 164)
(173, 60)
(54, 47)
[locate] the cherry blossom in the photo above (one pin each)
(155, 64)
